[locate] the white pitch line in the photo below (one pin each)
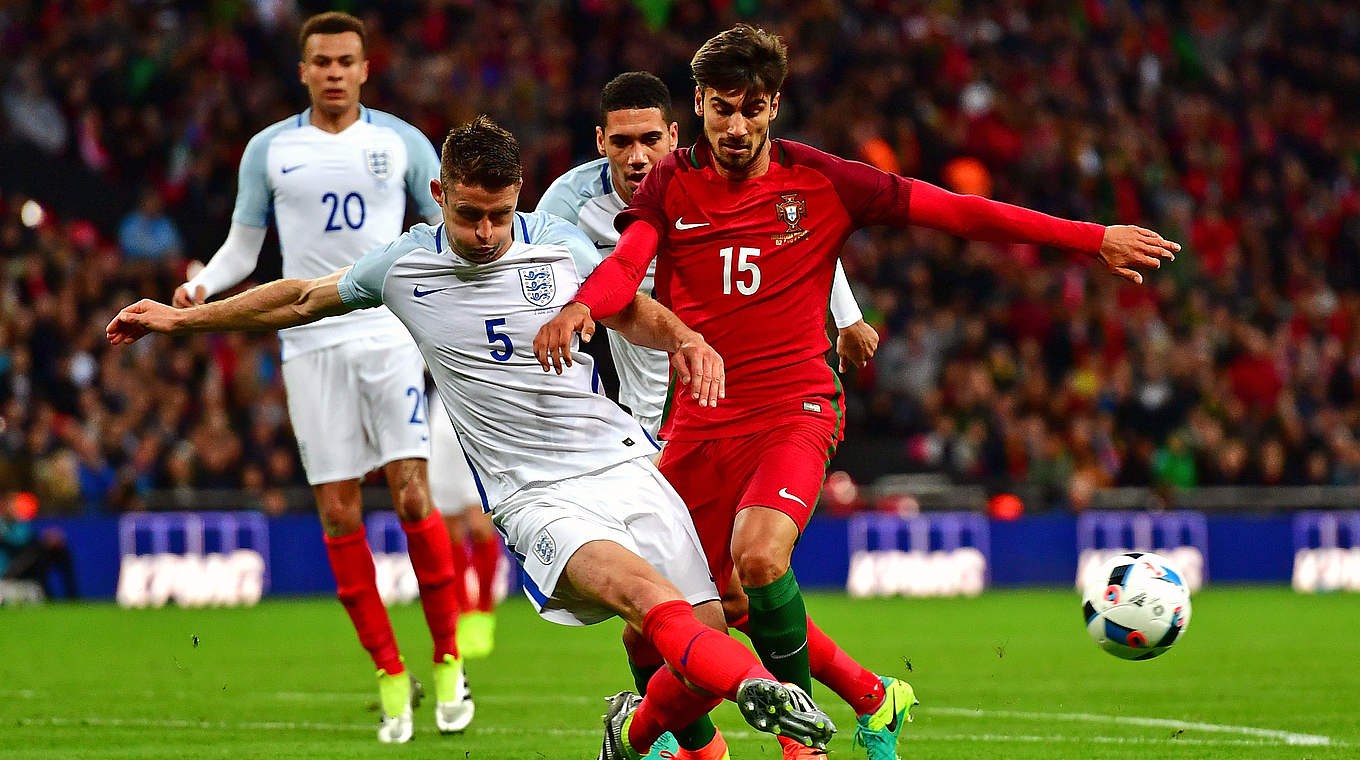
(1288, 737)
(97, 722)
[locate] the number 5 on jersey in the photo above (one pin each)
(745, 266)
(499, 354)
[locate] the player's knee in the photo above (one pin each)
(341, 519)
(411, 502)
(760, 563)
(734, 609)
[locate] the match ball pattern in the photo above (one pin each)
(1137, 606)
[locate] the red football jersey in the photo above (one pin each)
(748, 264)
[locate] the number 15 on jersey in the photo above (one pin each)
(747, 274)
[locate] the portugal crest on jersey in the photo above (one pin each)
(791, 210)
(536, 283)
(379, 162)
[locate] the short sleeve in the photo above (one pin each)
(422, 165)
(253, 196)
(362, 286)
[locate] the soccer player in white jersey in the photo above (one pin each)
(335, 178)
(635, 131)
(566, 473)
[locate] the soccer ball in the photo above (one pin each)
(1137, 606)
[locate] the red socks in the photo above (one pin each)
(838, 671)
(357, 587)
(485, 556)
(431, 552)
(459, 555)
(851, 681)
(668, 706)
(709, 659)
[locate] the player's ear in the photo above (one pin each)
(302, 67)
(437, 191)
(599, 140)
(675, 134)
(363, 71)
(698, 100)
(774, 106)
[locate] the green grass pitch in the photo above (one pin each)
(1261, 673)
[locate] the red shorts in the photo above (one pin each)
(781, 468)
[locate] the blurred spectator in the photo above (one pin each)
(28, 556)
(147, 234)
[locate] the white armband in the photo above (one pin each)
(233, 262)
(844, 310)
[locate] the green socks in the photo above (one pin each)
(779, 630)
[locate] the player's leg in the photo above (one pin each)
(457, 496)
(788, 479)
(323, 395)
(700, 739)
(396, 422)
(699, 655)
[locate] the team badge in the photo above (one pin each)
(544, 547)
(536, 283)
(379, 162)
(791, 210)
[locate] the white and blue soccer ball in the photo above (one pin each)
(1137, 606)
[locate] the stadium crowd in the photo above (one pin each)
(1230, 128)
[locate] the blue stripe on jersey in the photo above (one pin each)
(439, 238)
(595, 379)
(532, 589)
(300, 118)
(650, 439)
(524, 226)
(604, 178)
(368, 117)
(478, 480)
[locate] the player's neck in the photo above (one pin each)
(334, 123)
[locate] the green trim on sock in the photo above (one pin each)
(642, 674)
(775, 595)
(697, 735)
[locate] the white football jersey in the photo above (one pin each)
(333, 198)
(475, 325)
(586, 197)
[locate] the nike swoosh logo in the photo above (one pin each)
(418, 293)
(604, 246)
(785, 493)
(287, 169)
(680, 224)
(892, 724)
(774, 656)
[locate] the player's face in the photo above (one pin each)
(634, 139)
(333, 67)
(737, 127)
(479, 221)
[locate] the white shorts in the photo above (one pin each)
(630, 504)
(357, 406)
(452, 487)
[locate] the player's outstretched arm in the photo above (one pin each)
(272, 306)
(1126, 246)
(647, 323)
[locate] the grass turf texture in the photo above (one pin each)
(1009, 674)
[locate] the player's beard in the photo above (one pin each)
(740, 166)
(479, 255)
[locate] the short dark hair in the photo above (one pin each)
(332, 22)
(480, 153)
(635, 89)
(742, 58)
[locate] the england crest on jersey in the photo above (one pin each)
(536, 283)
(544, 547)
(379, 162)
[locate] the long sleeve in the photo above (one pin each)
(611, 287)
(844, 310)
(978, 218)
(233, 262)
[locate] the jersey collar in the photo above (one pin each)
(701, 153)
(304, 119)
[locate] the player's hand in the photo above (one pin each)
(552, 345)
(856, 344)
(701, 368)
(1126, 246)
(141, 318)
(183, 299)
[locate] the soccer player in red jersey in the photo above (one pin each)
(746, 230)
